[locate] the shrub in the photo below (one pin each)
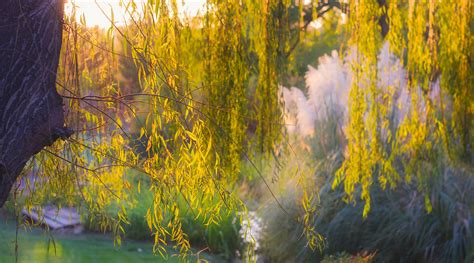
(398, 228)
(220, 237)
(283, 240)
(347, 258)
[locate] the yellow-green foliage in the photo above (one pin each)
(181, 121)
(365, 149)
(269, 38)
(226, 67)
(434, 40)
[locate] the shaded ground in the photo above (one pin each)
(35, 245)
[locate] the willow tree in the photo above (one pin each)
(434, 41)
(226, 67)
(181, 132)
(91, 167)
(193, 132)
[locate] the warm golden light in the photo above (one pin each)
(99, 12)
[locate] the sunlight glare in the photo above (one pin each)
(98, 12)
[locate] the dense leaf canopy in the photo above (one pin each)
(182, 101)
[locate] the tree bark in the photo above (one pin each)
(31, 110)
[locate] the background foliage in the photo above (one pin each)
(182, 126)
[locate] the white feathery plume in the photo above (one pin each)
(329, 85)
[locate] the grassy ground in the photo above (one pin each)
(35, 245)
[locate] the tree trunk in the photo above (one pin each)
(31, 110)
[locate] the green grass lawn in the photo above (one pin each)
(35, 245)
